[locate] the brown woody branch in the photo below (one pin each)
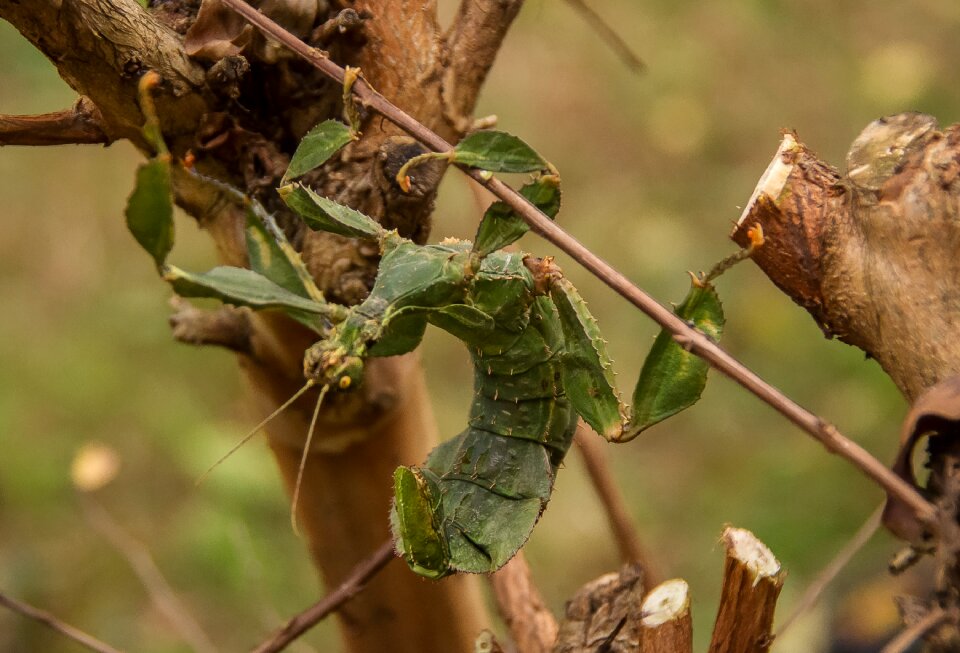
(871, 254)
(227, 326)
(472, 42)
(100, 48)
(349, 588)
(752, 580)
(80, 124)
(695, 341)
(50, 621)
(592, 451)
(604, 614)
(666, 625)
(522, 607)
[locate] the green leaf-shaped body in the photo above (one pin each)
(243, 287)
(268, 258)
(323, 214)
(318, 145)
(497, 152)
(673, 378)
(150, 210)
(502, 226)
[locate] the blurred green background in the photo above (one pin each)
(655, 168)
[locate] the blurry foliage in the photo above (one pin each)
(654, 169)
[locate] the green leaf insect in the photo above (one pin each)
(150, 209)
(673, 378)
(318, 145)
(497, 152)
(539, 364)
(539, 360)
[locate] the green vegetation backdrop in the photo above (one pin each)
(655, 168)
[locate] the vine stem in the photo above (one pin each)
(330, 603)
(47, 619)
(693, 340)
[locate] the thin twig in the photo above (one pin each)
(902, 642)
(830, 572)
(330, 603)
(624, 530)
(697, 342)
(143, 565)
(609, 35)
(52, 622)
(80, 124)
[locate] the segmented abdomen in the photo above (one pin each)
(494, 479)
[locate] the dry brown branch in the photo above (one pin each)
(609, 35)
(695, 341)
(158, 589)
(80, 124)
(522, 607)
(47, 619)
(472, 42)
(871, 254)
(666, 625)
(624, 530)
(833, 569)
(227, 326)
(903, 641)
(604, 614)
(752, 579)
(330, 603)
(101, 47)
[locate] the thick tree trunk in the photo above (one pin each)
(102, 47)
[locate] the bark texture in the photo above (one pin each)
(666, 625)
(522, 607)
(752, 579)
(604, 614)
(871, 254)
(240, 106)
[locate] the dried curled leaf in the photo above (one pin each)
(935, 413)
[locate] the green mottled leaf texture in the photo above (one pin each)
(322, 214)
(587, 368)
(150, 210)
(319, 144)
(268, 259)
(242, 287)
(497, 152)
(672, 378)
(502, 226)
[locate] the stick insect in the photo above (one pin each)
(539, 360)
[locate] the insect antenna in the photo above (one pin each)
(299, 393)
(303, 459)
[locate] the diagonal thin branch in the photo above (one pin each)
(144, 566)
(835, 566)
(47, 619)
(696, 341)
(624, 530)
(330, 603)
(80, 124)
(902, 642)
(609, 35)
